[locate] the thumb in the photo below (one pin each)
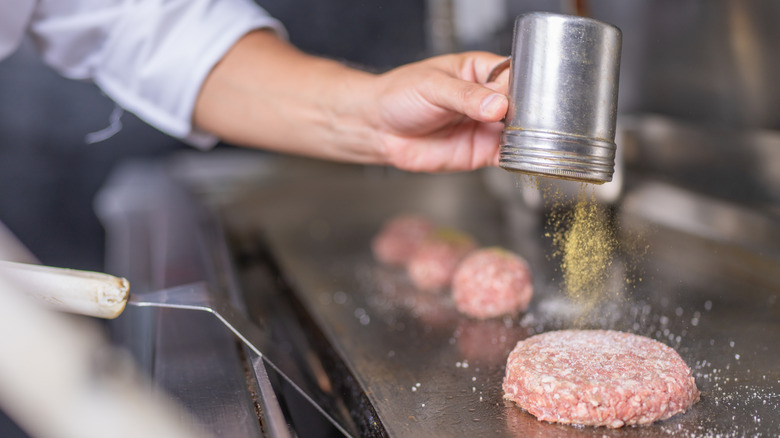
(474, 100)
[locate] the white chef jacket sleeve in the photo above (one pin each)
(150, 56)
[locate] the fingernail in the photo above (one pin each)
(491, 103)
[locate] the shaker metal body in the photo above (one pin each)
(563, 89)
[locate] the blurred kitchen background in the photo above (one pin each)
(701, 75)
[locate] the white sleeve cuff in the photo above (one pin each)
(154, 61)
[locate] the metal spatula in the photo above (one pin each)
(105, 296)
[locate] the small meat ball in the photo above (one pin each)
(399, 239)
(432, 266)
(492, 282)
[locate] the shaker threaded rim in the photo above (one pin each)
(558, 155)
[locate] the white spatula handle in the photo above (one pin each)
(69, 290)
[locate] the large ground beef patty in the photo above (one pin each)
(598, 378)
(492, 282)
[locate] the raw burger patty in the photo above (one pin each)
(598, 378)
(433, 264)
(492, 282)
(399, 239)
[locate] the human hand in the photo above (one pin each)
(435, 115)
(430, 116)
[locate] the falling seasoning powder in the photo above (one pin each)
(584, 243)
(587, 249)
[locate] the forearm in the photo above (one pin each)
(433, 115)
(265, 93)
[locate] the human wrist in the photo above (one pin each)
(349, 99)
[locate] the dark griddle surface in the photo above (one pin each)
(431, 372)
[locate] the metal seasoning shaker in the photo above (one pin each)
(563, 89)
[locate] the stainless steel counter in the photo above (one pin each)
(289, 241)
(428, 371)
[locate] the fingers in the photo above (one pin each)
(474, 100)
(501, 83)
(465, 89)
(481, 64)
(493, 108)
(464, 147)
(489, 69)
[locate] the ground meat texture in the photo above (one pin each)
(400, 238)
(492, 282)
(431, 268)
(598, 378)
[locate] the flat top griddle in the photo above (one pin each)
(429, 371)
